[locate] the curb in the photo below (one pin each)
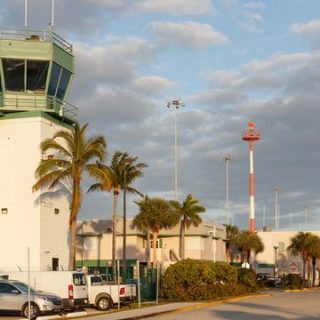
(183, 309)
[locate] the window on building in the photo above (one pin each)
(13, 70)
(159, 244)
(63, 84)
(0, 85)
(37, 72)
(54, 79)
(21, 75)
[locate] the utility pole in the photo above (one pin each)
(226, 160)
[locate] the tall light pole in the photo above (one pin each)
(226, 160)
(124, 250)
(276, 208)
(175, 104)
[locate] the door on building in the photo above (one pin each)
(55, 264)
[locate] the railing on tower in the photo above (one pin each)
(36, 35)
(42, 103)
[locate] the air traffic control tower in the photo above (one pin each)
(36, 70)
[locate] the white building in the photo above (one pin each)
(275, 259)
(35, 72)
(94, 249)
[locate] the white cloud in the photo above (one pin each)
(176, 7)
(188, 34)
(152, 84)
(251, 21)
(219, 98)
(255, 5)
(280, 61)
(311, 27)
(310, 30)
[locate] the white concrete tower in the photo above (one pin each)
(36, 69)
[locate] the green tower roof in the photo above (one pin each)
(36, 70)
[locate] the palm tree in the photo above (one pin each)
(141, 222)
(246, 242)
(159, 214)
(300, 245)
(73, 155)
(315, 254)
(231, 234)
(111, 178)
(189, 214)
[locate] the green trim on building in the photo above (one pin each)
(35, 114)
(266, 265)
(102, 263)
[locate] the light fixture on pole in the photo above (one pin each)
(276, 208)
(226, 160)
(175, 104)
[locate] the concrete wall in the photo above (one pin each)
(30, 221)
(286, 263)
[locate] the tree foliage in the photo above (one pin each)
(156, 214)
(194, 280)
(123, 170)
(189, 211)
(73, 156)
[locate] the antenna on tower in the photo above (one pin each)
(52, 13)
(25, 13)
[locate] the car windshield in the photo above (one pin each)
(22, 286)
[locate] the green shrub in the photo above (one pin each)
(191, 280)
(248, 278)
(293, 281)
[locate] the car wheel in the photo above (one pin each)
(34, 311)
(103, 304)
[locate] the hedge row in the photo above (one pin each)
(190, 280)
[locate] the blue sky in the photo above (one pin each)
(229, 61)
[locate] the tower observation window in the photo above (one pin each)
(14, 74)
(54, 79)
(36, 75)
(63, 84)
(22, 75)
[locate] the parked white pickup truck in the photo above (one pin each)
(103, 296)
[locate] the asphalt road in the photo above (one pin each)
(280, 305)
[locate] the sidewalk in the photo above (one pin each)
(145, 311)
(150, 311)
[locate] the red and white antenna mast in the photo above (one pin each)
(251, 136)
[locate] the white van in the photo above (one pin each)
(71, 286)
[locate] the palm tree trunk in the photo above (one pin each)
(75, 207)
(148, 251)
(304, 272)
(154, 246)
(182, 242)
(114, 234)
(73, 234)
(314, 262)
